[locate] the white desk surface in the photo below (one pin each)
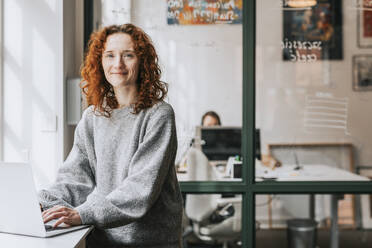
(66, 240)
(313, 172)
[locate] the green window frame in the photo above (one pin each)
(248, 188)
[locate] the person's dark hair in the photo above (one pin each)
(212, 114)
(94, 84)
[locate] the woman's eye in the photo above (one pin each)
(108, 55)
(129, 55)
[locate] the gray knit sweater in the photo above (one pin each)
(120, 177)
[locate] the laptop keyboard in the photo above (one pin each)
(49, 228)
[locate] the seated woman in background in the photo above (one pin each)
(210, 118)
(120, 174)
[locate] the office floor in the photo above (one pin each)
(348, 239)
(278, 239)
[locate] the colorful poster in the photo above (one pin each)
(193, 12)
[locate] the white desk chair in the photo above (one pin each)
(214, 219)
(198, 167)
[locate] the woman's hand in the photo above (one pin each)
(65, 215)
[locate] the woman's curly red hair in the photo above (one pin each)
(97, 89)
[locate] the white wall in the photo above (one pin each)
(34, 78)
(282, 87)
(203, 66)
(201, 63)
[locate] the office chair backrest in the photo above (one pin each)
(199, 207)
(198, 167)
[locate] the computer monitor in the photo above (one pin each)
(220, 142)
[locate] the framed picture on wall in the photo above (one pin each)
(362, 72)
(313, 33)
(364, 9)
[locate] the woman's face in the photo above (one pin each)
(119, 61)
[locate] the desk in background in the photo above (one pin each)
(316, 172)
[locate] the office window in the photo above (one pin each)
(320, 220)
(313, 88)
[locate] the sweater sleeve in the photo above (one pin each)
(148, 169)
(75, 178)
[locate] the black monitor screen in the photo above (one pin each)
(221, 143)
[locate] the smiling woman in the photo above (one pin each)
(122, 52)
(120, 174)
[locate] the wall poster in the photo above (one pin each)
(313, 33)
(364, 8)
(193, 12)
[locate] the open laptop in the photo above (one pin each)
(19, 207)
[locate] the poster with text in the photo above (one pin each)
(194, 12)
(313, 33)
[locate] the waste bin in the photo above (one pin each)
(301, 233)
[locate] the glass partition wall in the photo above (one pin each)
(313, 82)
(287, 220)
(290, 82)
(312, 89)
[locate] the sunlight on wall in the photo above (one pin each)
(43, 107)
(14, 36)
(43, 69)
(13, 79)
(44, 152)
(32, 76)
(52, 4)
(12, 116)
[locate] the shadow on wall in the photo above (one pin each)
(33, 56)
